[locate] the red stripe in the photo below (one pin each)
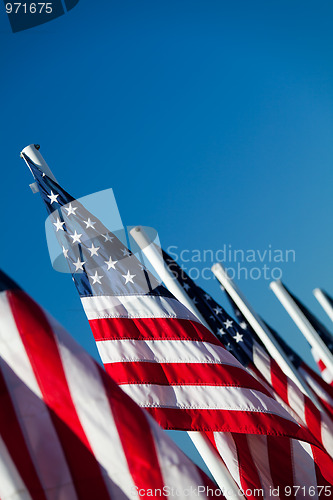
(281, 464)
(229, 421)
(312, 415)
(40, 345)
(321, 365)
(12, 435)
(151, 329)
(279, 381)
(182, 374)
(324, 470)
(250, 480)
(136, 438)
(313, 419)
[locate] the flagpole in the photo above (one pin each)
(324, 302)
(303, 324)
(32, 152)
(155, 257)
(207, 451)
(271, 344)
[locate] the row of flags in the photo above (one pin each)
(162, 366)
(67, 430)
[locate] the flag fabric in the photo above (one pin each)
(322, 389)
(323, 332)
(67, 431)
(159, 352)
(259, 453)
(168, 362)
(251, 353)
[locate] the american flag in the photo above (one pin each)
(166, 360)
(163, 357)
(248, 349)
(323, 332)
(67, 431)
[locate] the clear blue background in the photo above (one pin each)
(211, 120)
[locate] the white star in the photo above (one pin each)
(93, 250)
(238, 337)
(221, 331)
(111, 263)
(229, 347)
(59, 224)
(70, 209)
(218, 310)
(228, 323)
(143, 268)
(243, 325)
(186, 286)
(79, 265)
(212, 317)
(65, 252)
(207, 297)
(53, 197)
(107, 237)
(76, 237)
(89, 223)
(194, 300)
(126, 253)
(96, 278)
(128, 277)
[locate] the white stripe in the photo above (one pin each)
(296, 400)
(262, 361)
(164, 351)
(226, 447)
(177, 470)
(204, 398)
(11, 485)
(31, 410)
(326, 433)
(135, 306)
(327, 376)
(303, 470)
(94, 412)
(260, 456)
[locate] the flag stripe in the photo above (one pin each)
(35, 418)
(38, 338)
(151, 328)
(93, 404)
(181, 373)
(14, 441)
(12, 486)
(260, 456)
(136, 435)
(281, 476)
(164, 351)
(204, 397)
(228, 421)
(135, 306)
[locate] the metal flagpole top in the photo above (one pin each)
(324, 302)
(33, 153)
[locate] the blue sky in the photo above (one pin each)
(211, 121)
